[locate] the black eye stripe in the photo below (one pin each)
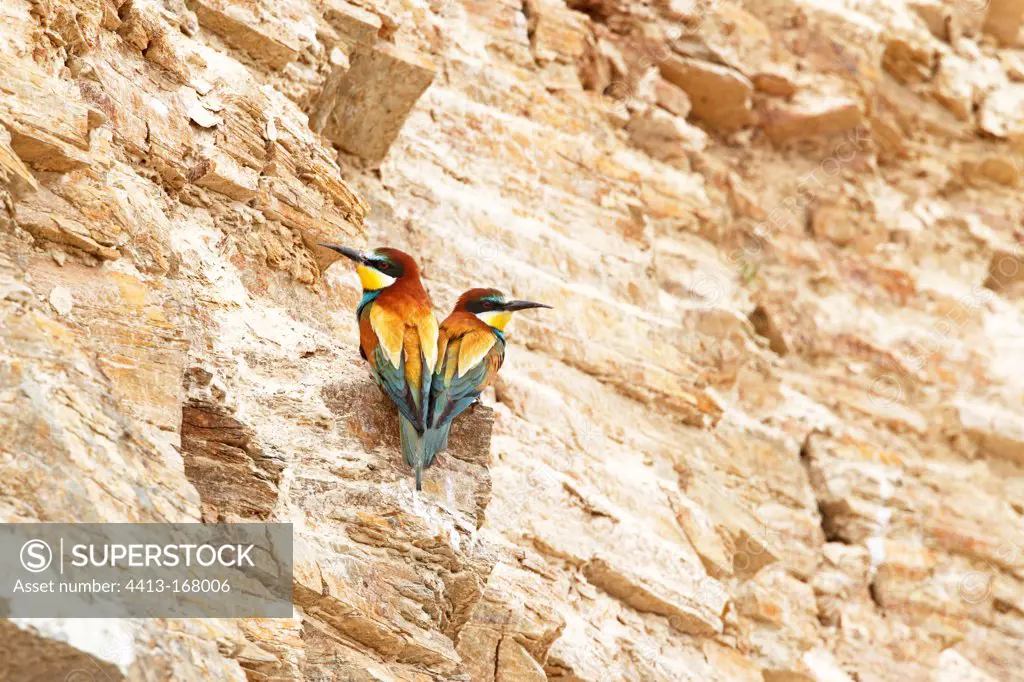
(483, 305)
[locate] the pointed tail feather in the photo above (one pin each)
(412, 448)
(435, 440)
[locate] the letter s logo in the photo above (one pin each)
(36, 556)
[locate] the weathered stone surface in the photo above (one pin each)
(998, 432)
(936, 16)
(671, 582)
(672, 98)
(557, 34)
(374, 98)
(769, 431)
(648, 593)
(226, 467)
(910, 58)
(505, 639)
(355, 26)
(252, 28)
(46, 119)
(221, 173)
(133, 330)
(13, 172)
(69, 451)
(1005, 270)
(765, 325)
(29, 654)
(996, 168)
(1002, 114)
(777, 84)
(812, 116)
(728, 540)
(720, 96)
(954, 86)
(954, 667)
(1004, 19)
(666, 137)
(814, 666)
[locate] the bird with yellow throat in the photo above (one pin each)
(398, 337)
(470, 351)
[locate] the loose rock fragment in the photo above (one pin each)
(1002, 113)
(1000, 169)
(221, 173)
(672, 98)
(720, 96)
(271, 41)
(61, 300)
(935, 16)
(355, 26)
(374, 98)
(812, 116)
(764, 325)
(13, 172)
(774, 83)
(1005, 270)
(202, 116)
(954, 86)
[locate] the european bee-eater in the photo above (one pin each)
(398, 337)
(470, 351)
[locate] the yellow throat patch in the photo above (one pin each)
(372, 280)
(496, 318)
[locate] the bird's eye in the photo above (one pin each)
(383, 266)
(488, 305)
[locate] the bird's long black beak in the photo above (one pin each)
(353, 254)
(512, 306)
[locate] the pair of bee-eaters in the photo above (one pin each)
(431, 373)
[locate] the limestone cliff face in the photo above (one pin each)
(772, 432)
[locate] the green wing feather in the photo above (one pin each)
(398, 383)
(411, 417)
(450, 397)
(394, 382)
